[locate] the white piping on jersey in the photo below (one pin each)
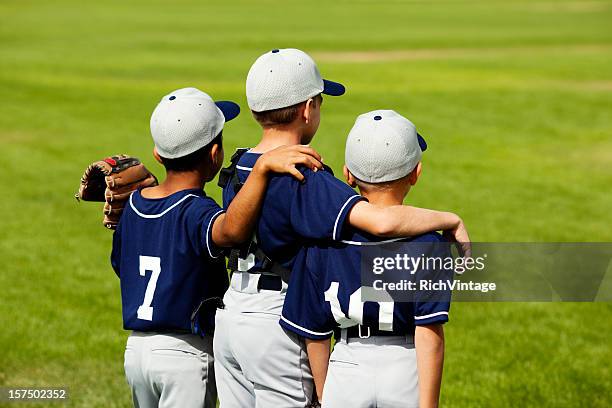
(372, 243)
(340, 213)
(163, 212)
(244, 168)
(208, 231)
(430, 315)
(303, 329)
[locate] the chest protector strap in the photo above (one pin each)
(229, 175)
(243, 257)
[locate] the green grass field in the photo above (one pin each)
(514, 97)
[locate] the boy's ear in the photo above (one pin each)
(350, 179)
(156, 155)
(415, 174)
(214, 153)
(308, 107)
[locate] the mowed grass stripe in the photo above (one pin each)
(458, 53)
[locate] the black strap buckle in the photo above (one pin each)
(227, 173)
(205, 305)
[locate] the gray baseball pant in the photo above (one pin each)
(373, 372)
(258, 363)
(170, 370)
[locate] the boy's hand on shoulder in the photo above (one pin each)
(239, 220)
(285, 159)
(460, 236)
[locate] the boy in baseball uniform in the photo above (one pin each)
(387, 354)
(259, 363)
(166, 250)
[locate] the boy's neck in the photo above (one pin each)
(383, 198)
(174, 182)
(274, 137)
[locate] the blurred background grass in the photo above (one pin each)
(515, 99)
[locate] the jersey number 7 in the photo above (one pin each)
(153, 264)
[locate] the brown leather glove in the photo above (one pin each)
(111, 181)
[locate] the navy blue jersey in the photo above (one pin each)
(295, 213)
(325, 292)
(167, 263)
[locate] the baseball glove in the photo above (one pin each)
(111, 181)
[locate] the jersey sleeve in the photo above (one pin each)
(321, 205)
(435, 311)
(431, 313)
(305, 310)
(199, 223)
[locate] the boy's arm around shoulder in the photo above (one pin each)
(405, 220)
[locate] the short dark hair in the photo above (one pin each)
(192, 160)
(281, 116)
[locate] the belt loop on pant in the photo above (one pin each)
(343, 336)
(361, 335)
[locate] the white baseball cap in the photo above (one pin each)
(285, 77)
(383, 146)
(188, 119)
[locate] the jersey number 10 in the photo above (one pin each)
(355, 307)
(153, 264)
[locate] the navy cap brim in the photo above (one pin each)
(422, 142)
(229, 109)
(333, 88)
